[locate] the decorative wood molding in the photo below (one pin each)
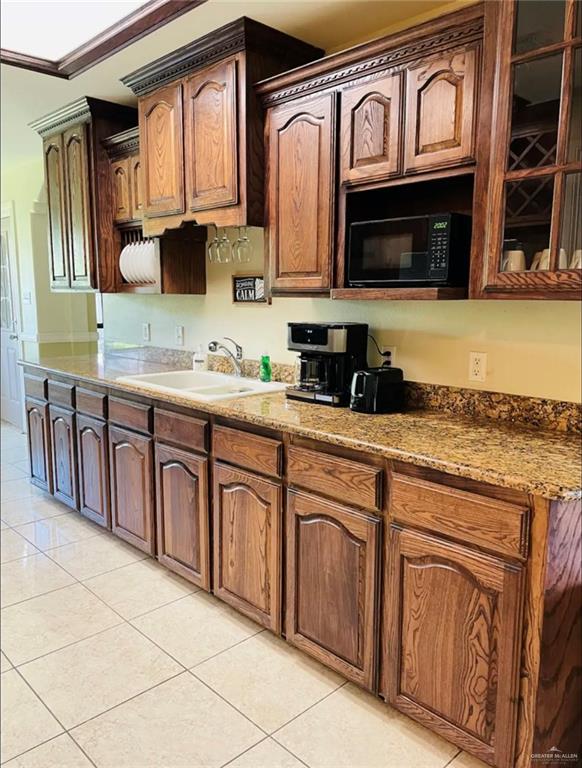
(121, 144)
(242, 34)
(80, 111)
(391, 52)
(141, 22)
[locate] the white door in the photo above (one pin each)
(11, 383)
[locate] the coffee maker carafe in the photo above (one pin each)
(329, 355)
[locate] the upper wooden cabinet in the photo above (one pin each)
(201, 131)
(210, 128)
(121, 190)
(440, 112)
(161, 145)
(82, 242)
(370, 128)
(126, 177)
(531, 153)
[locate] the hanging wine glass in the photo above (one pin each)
(224, 249)
(243, 248)
(213, 254)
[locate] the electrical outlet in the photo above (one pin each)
(389, 355)
(477, 366)
(180, 335)
(146, 332)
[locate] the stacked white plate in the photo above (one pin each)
(139, 262)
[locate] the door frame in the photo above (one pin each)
(7, 215)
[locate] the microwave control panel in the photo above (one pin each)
(438, 246)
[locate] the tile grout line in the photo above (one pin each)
(315, 703)
(453, 758)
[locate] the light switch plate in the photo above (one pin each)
(180, 335)
(146, 332)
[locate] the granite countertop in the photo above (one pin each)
(537, 461)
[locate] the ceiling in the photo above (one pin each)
(329, 24)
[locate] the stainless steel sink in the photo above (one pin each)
(205, 386)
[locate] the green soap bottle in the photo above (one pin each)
(265, 368)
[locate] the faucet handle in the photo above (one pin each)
(238, 348)
(212, 346)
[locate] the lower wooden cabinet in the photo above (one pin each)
(247, 544)
(132, 488)
(182, 513)
(64, 455)
(93, 457)
(333, 584)
(452, 642)
(39, 454)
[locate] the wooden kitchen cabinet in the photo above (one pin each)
(333, 585)
(451, 641)
(132, 487)
(211, 136)
(247, 544)
(182, 513)
(301, 139)
(64, 455)
(122, 204)
(136, 187)
(77, 206)
(39, 453)
(162, 150)
(93, 460)
(441, 98)
(370, 129)
(83, 243)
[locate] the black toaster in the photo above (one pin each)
(378, 390)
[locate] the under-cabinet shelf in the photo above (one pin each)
(398, 294)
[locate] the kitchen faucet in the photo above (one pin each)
(214, 346)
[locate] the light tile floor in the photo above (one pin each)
(109, 660)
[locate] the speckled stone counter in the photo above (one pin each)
(537, 461)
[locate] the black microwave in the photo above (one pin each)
(412, 251)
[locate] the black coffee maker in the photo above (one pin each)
(329, 355)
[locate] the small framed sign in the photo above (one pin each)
(248, 289)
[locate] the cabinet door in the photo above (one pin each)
(182, 513)
(64, 457)
(37, 420)
(370, 129)
(93, 470)
(210, 128)
(162, 151)
(121, 180)
(451, 647)
(441, 97)
(55, 181)
(301, 194)
(136, 187)
(131, 474)
(332, 585)
(247, 544)
(79, 233)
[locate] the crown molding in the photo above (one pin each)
(81, 111)
(123, 143)
(141, 22)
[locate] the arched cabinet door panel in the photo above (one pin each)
(182, 513)
(93, 459)
(64, 455)
(332, 585)
(370, 129)
(54, 169)
(37, 423)
(78, 207)
(301, 194)
(441, 97)
(121, 180)
(136, 186)
(132, 488)
(451, 660)
(247, 544)
(162, 151)
(210, 127)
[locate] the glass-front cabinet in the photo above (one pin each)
(533, 245)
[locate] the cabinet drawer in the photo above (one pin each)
(91, 403)
(183, 431)
(247, 450)
(494, 525)
(130, 414)
(60, 393)
(35, 386)
(342, 479)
